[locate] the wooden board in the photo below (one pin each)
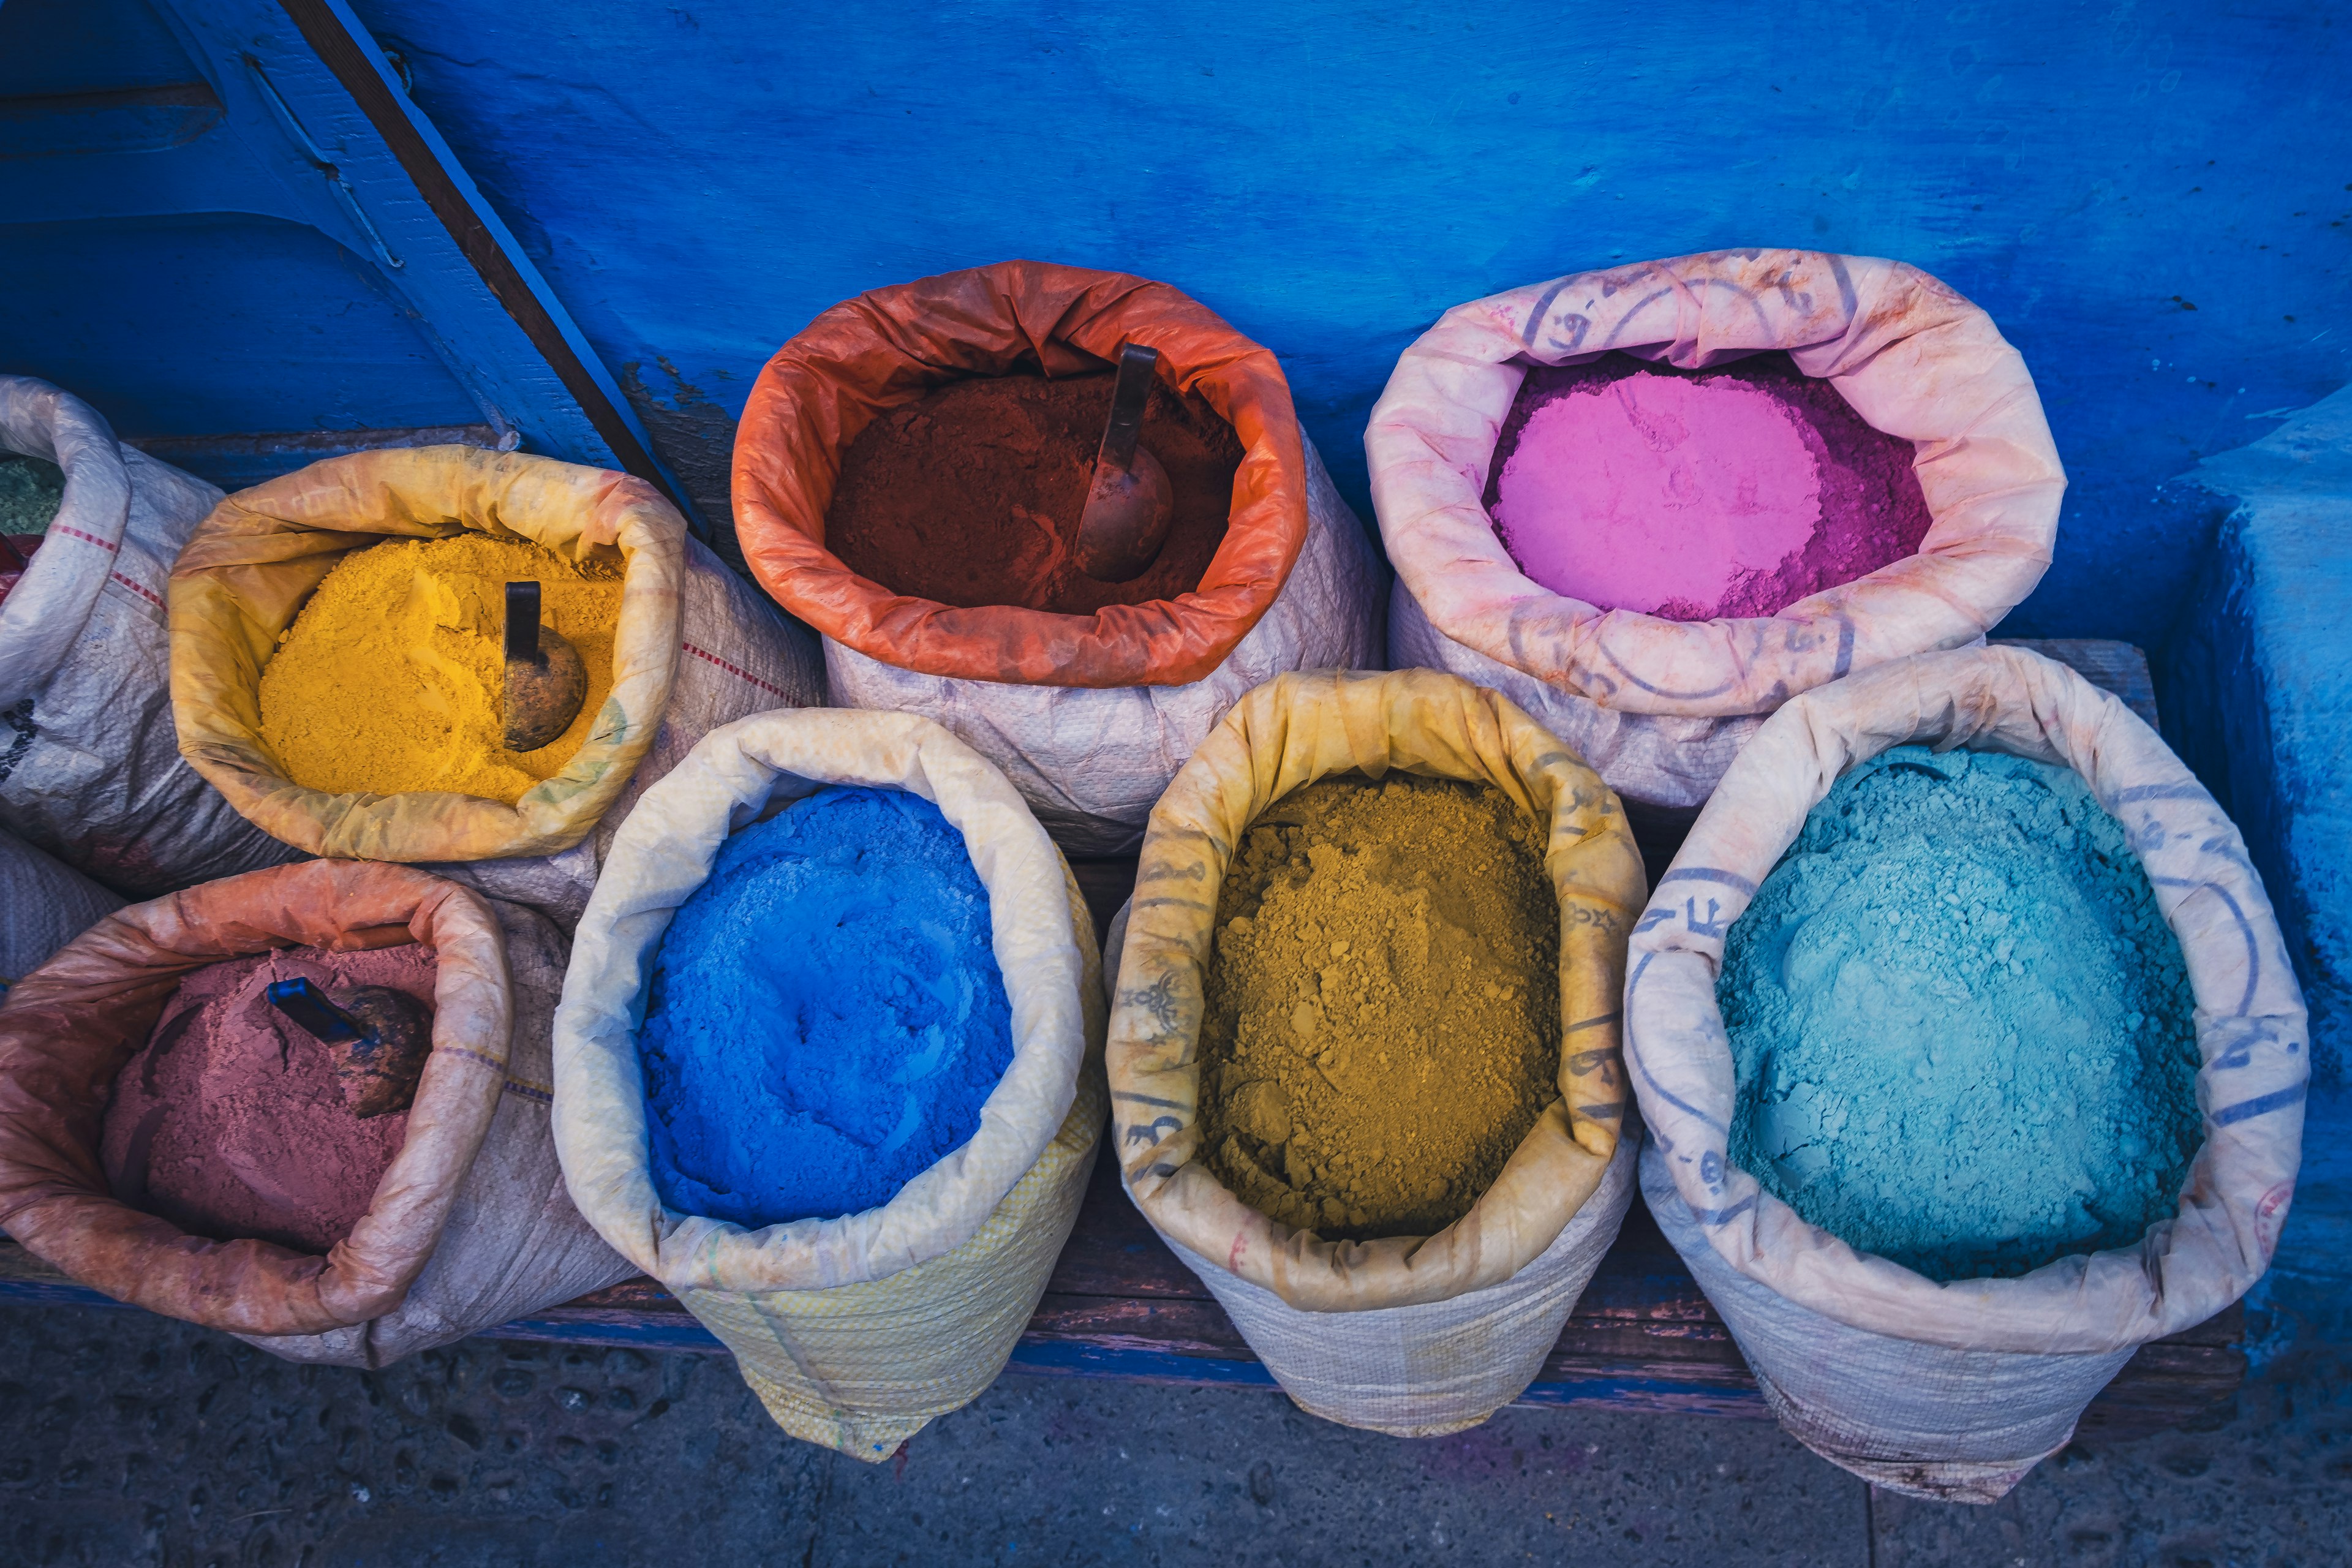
(1120, 1305)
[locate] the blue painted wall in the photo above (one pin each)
(2261, 669)
(697, 179)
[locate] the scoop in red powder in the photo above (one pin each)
(970, 495)
(232, 1123)
(1693, 495)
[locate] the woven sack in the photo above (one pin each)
(1089, 716)
(44, 904)
(89, 767)
(468, 1227)
(1410, 1335)
(1955, 1391)
(855, 1332)
(1659, 707)
(693, 648)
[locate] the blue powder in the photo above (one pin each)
(1961, 1028)
(825, 1014)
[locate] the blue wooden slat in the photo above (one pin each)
(1056, 1358)
(213, 237)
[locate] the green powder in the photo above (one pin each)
(30, 493)
(1961, 1027)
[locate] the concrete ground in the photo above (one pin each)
(127, 1439)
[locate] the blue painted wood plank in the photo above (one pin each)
(326, 292)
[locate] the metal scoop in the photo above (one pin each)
(545, 681)
(379, 1039)
(1130, 505)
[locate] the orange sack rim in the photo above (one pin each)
(889, 346)
(68, 1030)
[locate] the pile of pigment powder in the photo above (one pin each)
(825, 1014)
(1690, 495)
(394, 676)
(1960, 1026)
(31, 491)
(231, 1122)
(971, 494)
(1382, 1018)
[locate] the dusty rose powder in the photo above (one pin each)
(230, 1123)
(1693, 495)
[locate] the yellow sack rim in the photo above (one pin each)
(1289, 731)
(253, 563)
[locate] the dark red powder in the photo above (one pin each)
(16, 560)
(971, 494)
(1873, 510)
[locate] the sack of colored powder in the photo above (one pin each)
(1414, 1335)
(856, 1329)
(1089, 713)
(691, 648)
(1954, 1390)
(91, 769)
(1711, 499)
(468, 1227)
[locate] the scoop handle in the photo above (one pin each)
(522, 621)
(302, 1001)
(1137, 367)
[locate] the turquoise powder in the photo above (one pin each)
(825, 1014)
(1961, 1028)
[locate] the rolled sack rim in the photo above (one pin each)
(253, 563)
(1286, 732)
(2251, 1031)
(68, 1028)
(1914, 358)
(889, 346)
(46, 611)
(1042, 938)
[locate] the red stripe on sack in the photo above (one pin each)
(141, 589)
(73, 533)
(731, 669)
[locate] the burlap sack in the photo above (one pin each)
(856, 1332)
(1411, 1335)
(1957, 1390)
(693, 648)
(89, 767)
(468, 1227)
(1089, 716)
(1658, 707)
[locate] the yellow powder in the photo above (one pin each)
(392, 677)
(1382, 1018)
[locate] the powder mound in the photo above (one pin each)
(825, 1014)
(393, 678)
(1382, 1019)
(1690, 495)
(230, 1121)
(970, 495)
(1962, 1030)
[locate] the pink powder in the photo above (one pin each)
(1735, 491)
(231, 1123)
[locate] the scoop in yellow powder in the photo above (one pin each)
(392, 676)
